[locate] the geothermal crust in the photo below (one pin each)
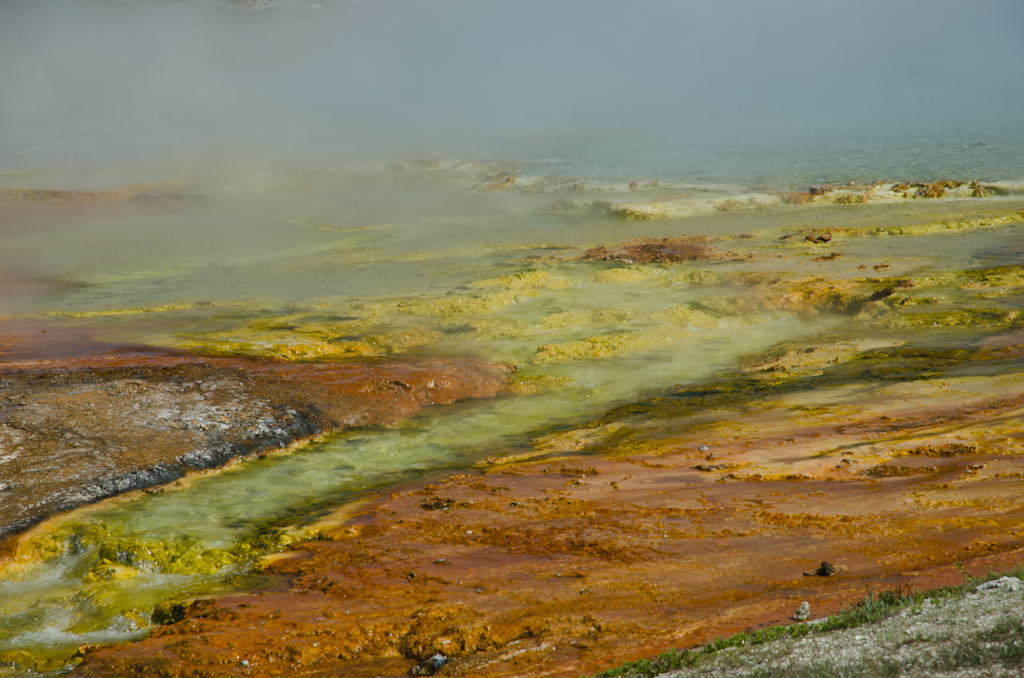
(78, 429)
(888, 445)
(669, 522)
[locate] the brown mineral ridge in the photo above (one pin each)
(576, 562)
(25, 209)
(81, 420)
(652, 250)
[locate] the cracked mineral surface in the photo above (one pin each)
(74, 430)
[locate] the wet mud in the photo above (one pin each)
(85, 421)
(677, 519)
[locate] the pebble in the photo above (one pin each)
(803, 612)
(430, 666)
(702, 448)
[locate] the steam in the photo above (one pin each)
(99, 83)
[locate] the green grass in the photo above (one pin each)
(969, 651)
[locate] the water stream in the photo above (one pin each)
(327, 290)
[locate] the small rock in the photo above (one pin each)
(825, 570)
(430, 666)
(803, 612)
(244, 662)
(4, 487)
(702, 448)
(709, 467)
(882, 294)
(1001, 584)
(436, 503)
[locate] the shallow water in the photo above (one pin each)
(386, 261)
(72, 602)
(428, 258)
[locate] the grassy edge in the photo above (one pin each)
(868, 610)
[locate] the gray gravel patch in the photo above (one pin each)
(977, 635)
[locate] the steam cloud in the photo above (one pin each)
(114, 82)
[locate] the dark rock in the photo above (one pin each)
(169, 613)
(436, 503)
(825, 570)
(882, 294)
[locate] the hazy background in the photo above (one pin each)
(92, 83)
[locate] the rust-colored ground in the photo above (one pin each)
(653, 250)
(624, 538)
(81, 420)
